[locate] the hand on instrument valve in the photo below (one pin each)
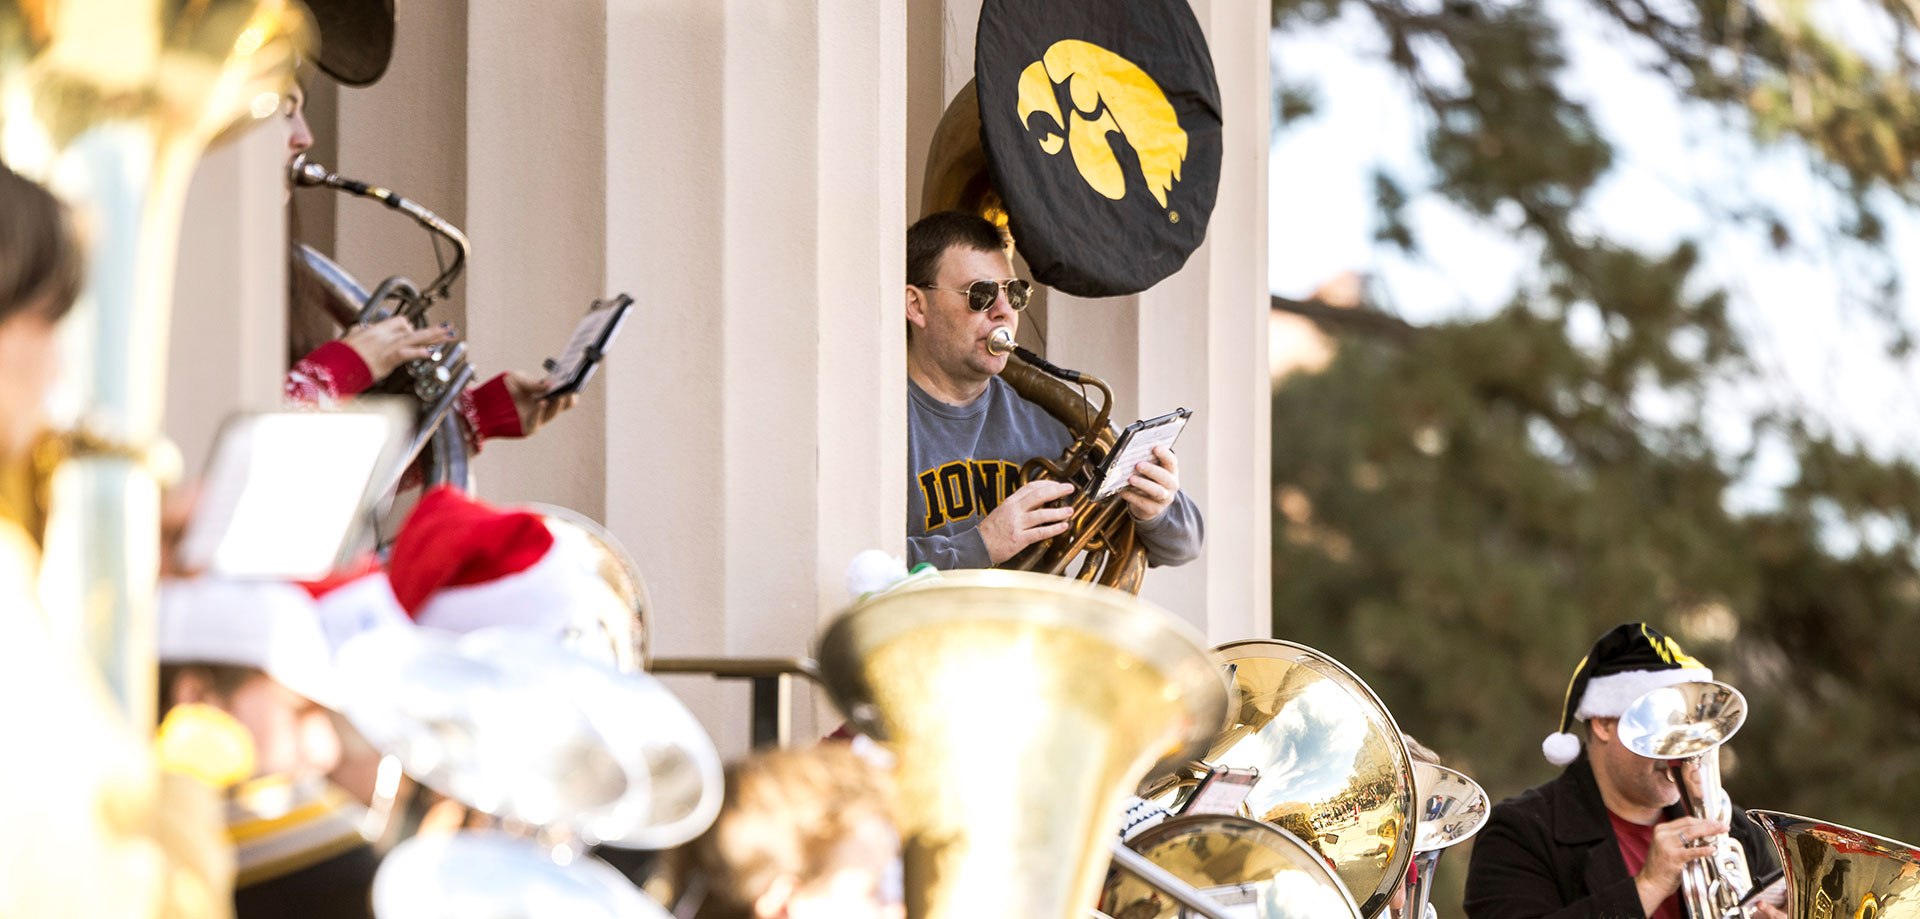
(1150, 490)
(528, 391)
(387, 344)
(1675, 843)
(1024, 519)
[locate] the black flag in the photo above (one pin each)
(1101, 122)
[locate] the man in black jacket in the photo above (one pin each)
(1607, 839)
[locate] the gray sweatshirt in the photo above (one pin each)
(963, 460)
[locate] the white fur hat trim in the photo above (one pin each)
(1608, 696)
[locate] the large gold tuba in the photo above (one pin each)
(1022, 710)
(957, 179)
(1836, 872)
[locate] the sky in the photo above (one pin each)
(1816, 349)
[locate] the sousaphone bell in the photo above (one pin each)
(1022, 709)
(1332, 768)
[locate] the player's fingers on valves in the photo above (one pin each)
(1690, 835)
(429, 335)
(1034, 494)
(1041, 516)
(1049, 530)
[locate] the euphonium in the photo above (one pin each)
(1836, 872)
(1451, 808)
(1022, 710)
(436, 380)
(1102, 528)
(1685, 724)
(110, 103)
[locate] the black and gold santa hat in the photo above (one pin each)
(1629, 661)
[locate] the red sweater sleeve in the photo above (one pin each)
(490, 412)
(334, 371)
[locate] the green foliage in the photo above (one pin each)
(1461, 509)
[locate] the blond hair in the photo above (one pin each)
(784, 814)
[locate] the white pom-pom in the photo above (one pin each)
(873, 570)
(1561, 748)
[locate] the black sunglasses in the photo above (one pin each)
(982, 293)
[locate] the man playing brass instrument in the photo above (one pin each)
(1607, 838)
(968, 432)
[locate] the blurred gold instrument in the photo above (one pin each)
(1333, 770)
(110, 103)
(1022, 710)
(1685, 724)
(1836, 872)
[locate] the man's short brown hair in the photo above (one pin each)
(40, 263)
(785, 813)
(931, 236)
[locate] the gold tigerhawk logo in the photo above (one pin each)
(1110, 95)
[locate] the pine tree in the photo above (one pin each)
(1462, 507)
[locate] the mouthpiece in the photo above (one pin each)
(304, 174)
(1001, 341)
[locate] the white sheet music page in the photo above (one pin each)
(1138, 449)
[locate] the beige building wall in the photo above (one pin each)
(746, 169)
(229, 327)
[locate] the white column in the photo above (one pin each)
(228, 345)
(536, 205)
(407, 132)
(1236, 469)
(756, 190)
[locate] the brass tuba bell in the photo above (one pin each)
(1333, 769)
(1022, 710)
(1836, 872)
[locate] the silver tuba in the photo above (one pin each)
(1685, 724)
(327, 294)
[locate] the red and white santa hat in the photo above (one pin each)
(271, 626)
(462, 565)
(355, 599)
